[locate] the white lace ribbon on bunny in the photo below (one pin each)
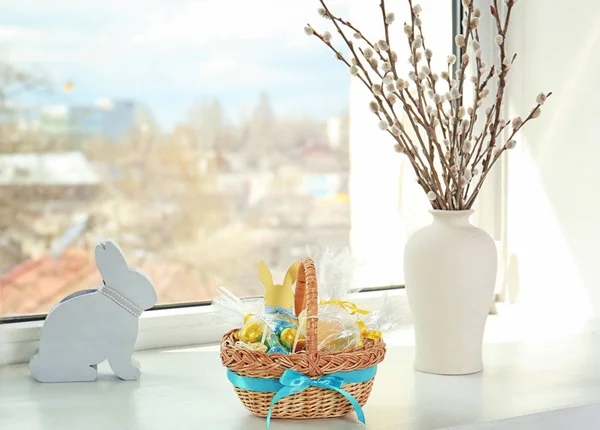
(118, 298)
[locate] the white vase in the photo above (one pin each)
(450, 271)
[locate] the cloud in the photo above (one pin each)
(165, 54)
(19, 34)
(215, 21)
(218, 64)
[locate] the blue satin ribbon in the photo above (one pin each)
(292, 382)
(279, 310)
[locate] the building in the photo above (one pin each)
(111, 119)
(33, 176)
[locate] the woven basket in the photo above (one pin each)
(313, 402)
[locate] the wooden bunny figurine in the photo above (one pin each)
(278, 298)
(90, 326)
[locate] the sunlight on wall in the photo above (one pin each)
(548, 285)
(553, 174)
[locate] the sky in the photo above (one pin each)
(169, 56)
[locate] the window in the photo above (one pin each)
(202, 135)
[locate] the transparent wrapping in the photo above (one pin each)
(335, 268)
(386, 317)
(337, 329)
(230, 310)
(342, 325)
(276, 333)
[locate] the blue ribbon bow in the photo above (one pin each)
(295, 382)
(292, 382)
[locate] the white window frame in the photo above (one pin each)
(158, 329)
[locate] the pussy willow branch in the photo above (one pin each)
(446, 172)
(414, 156)
(473, 196)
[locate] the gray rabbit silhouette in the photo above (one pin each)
(90, 326)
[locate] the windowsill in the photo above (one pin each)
(526, 385)
(159, 329)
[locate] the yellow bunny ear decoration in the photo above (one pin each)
(278, 298)
(291, 275)
(264, 274)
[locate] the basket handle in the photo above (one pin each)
(307, 297)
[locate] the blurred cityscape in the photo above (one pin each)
(195, 206)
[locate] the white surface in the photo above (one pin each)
(525, 385)
(90, 326)
(450, 271)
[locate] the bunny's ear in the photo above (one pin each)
(291, 275)
(265, 274)
(110, 260)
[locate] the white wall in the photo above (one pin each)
(554, 175)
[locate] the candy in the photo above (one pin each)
(280, 326)
(256, 346)
(300, 345)
(252, 332)
(253, 346)
(338, 335)
(277, 350)
(272, 340)
(236, 335)
(287, 337)
(247, 317)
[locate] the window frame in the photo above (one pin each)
(175, 327)
(170, 325)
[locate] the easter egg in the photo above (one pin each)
(252, 332)
(247, 317)
(257, 347)
(300, 345)
(272, 340)
(278, 350)
(280, 326)
(287, 337)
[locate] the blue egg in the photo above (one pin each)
(280, 326)
(278, 350)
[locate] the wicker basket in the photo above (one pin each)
(313, 402)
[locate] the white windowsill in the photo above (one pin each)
(544, 384)
(165, 328)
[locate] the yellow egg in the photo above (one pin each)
(252, 332)
(247, 317)
(287, 337)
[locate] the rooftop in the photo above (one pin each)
(36, 285)
(50, 168)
